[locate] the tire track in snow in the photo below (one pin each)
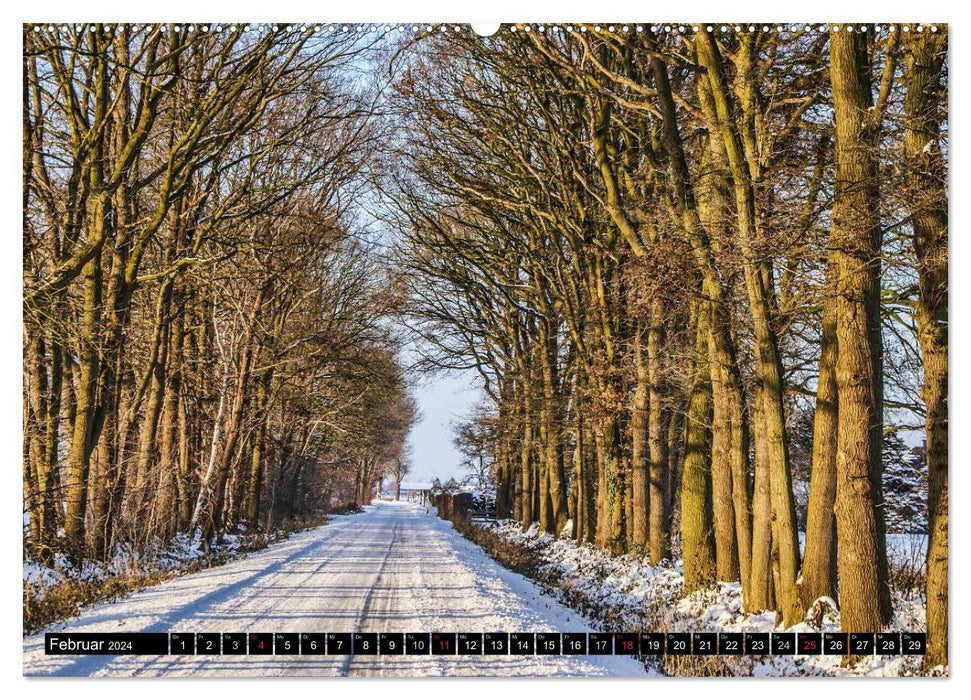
(365, 608)
(389, 569)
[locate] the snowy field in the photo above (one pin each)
(392, 568)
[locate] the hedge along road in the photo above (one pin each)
(392, 568)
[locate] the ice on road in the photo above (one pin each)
(392, 568)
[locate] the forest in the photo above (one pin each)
(698, 268)
(700, 271)
(206, 330)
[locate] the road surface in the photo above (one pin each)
(392, 568)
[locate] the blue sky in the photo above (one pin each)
(443, 400)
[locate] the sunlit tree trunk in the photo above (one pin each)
(924, 106)
(526, 457)
(761, 582)
(768, 362)
(79, 455)
(697, 527)
(166, 514)
(258, 452)
(855, 240)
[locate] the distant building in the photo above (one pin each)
(415, 492)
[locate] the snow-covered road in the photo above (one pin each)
(390, 569)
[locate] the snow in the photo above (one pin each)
(176, 556)
(630, 594)
(392, 568)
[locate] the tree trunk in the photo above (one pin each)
(819, 560)
(611, 533)
(729, 450)
(713, 290)
(675, 439)
(139, 497)
(855, 239)
(768, 362)
(761, 584)
(697, 531)
(586, 476)
(924, 81)
(639, 450)
(257, 455)
(526, 459)
(42, 413)
(504, 474)
(81, 446)
(658, 419)
(166, 513)
(553, 445)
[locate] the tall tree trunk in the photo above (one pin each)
(51, 485)
(689, 219)
(726, 546)
(586, 473)
(186, 443)
(42, 413)
(768, 362)
(729, 450)
(924, 100)
(855, 239)
(543, 477)
(579, 487)
(726, 549)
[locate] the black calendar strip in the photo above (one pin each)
(488, 643)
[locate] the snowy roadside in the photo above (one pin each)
(176, 556)
(60, 589)
(626, 593)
